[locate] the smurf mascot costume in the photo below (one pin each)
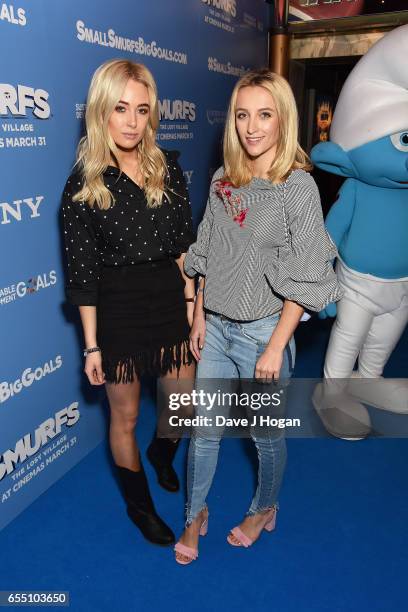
(369, 225)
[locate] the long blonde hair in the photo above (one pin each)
(97, 148)
(289, 154)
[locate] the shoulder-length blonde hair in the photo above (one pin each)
(289, 154)
(97, 148)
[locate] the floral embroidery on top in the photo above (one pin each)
(232, 203)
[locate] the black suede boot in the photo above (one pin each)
(140, 507)
(161, 454)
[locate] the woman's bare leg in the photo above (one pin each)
(124, 402)
(124, 407)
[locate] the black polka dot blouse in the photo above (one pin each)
(128, 233)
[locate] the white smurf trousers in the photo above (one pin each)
(371, 317)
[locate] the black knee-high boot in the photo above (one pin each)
(140, 507)
(161, 454)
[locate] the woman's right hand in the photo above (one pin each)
(197, 334)
(93, 368)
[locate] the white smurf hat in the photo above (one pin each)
(374, 100)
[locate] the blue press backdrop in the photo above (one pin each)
(49, 418)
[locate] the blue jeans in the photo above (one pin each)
(231, 350)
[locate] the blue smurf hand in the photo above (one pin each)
(329, 311)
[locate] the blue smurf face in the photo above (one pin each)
(384, 162)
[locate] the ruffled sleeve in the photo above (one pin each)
(304, 271)
(195, 261)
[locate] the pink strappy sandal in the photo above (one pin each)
(187, 551)
(244, 540)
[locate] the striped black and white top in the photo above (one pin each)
(261, 243)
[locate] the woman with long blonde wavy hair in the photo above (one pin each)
(127, 227)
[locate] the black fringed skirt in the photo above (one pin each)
(142, 325)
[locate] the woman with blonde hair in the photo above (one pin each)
(127, 226)
(265, 256)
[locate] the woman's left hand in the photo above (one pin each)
(190, 313)
(269, 365)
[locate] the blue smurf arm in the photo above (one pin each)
(340, 215)
(331, 157)
(338, 222)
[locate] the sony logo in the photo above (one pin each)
(14, 209)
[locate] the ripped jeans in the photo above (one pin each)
(231, 350)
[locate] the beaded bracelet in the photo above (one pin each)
(94, 349)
